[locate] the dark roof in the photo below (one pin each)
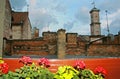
(94, 9)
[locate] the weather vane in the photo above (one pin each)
(93, 3)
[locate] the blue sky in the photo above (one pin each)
(72, 15)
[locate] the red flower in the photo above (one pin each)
(79, 65)
(4, 68)
(100, 70)
(44, 62)
(25, 60)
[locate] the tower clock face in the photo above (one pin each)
(96, 16)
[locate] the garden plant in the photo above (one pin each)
(40, 70)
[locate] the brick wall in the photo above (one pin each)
(48, 46)
(104, 50)
(51, 37)
(71, 38)
(27, 47)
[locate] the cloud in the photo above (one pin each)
(81, 29)
(82, 15)
(113, 22)
(115, 25)
(41, 17)
(68, 25)
(60, 8)
(18, 5)
(72, 15)
(111, 5)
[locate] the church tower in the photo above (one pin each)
(95, 22)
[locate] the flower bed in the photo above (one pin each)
(110, 64)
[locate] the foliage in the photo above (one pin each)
(66, 72)
(31, 71)
(87, 74)
(99, 72)
(39, 70)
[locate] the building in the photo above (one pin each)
(16, 31)
(61, 44)
(35, 33)
(21, 26)
(95, 22)
(5, 22)
(14, 25)
(95, 25)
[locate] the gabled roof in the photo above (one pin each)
(19, 17)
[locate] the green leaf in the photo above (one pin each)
(66, 72)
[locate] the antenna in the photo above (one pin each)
(27, 7)
(107, 22)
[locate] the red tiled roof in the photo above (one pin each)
(19, 17)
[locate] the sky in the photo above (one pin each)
(71, 15)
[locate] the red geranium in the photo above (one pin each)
(25, 60)
(4, 68)
(100, 70)
(44, 62)
(79, 65)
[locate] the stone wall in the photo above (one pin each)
(2, 15)
(16, 32)
(27, 32)
(5, 22)
(61, 43)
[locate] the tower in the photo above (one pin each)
(95, 22)
(61, 43)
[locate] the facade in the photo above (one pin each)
(50, 37)
(71, 39)
(95, 22)
(12, 26)
(16, 30)
(5, 22)
(7, 33)
(35, 33)
(95, 26)
(60, 44)
(21, 26)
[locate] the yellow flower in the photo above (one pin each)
(1, 61)
(27, 78)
